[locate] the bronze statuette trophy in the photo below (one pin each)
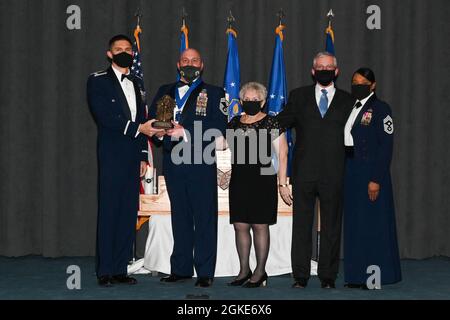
(164, 113)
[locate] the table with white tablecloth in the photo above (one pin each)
(160, 242)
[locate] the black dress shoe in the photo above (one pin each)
(261, 282)
(105, 281)
(300, 283)
(175, 278)
(204, 282)
(327, 284)
(124, 279)
(240, 282)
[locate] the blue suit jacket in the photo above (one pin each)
(369, 226)
(117, 141)
(214, 118)
(373, 139)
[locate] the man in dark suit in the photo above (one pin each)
(318, 113)
(114, 97)
(190, 170)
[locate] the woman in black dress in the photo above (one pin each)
(253, 194)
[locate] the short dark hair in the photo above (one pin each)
(366, 73)
(118, 38)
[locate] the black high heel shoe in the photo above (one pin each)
(261, 282)
(240, 282)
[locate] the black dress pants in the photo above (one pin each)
(331, 204)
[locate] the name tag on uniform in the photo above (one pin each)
(367, 117)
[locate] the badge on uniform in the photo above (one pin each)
(143, 95)
(367, 117)
(388, 124)
(202, 102)
(224, 106)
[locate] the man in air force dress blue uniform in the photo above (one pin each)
(190, 177)
(115, 100)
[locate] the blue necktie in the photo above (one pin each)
(323, 103)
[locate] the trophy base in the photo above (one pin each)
(162, 125)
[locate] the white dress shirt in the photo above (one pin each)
(348, 138)
(128, 89)
(330, 94)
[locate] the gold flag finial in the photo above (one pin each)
(280, 16)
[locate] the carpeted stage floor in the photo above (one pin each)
(41, 278)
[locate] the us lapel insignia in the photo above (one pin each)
(202, 102)
(367, 117)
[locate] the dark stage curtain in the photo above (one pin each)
(48, 138)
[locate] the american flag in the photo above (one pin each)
(136, 68)
(138, 72)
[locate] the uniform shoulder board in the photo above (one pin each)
(99, 73)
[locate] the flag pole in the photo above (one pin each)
(138, 30)
(330, 33)
(184, 38)
(330, 16)
(183, 17)
(138, 16)
(280, 16)
(232, 76)
(230, 20)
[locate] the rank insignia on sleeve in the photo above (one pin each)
(388, 124)
(367, 117)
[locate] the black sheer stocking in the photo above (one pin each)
(243, 244)
(261, 240)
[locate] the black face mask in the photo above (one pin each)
(189, 73)
(360, 91)
(324, 77)
(251, 107)
(123, 59)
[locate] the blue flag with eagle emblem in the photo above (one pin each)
(278, 89)
(232, 79)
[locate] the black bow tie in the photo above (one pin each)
(128, 76)
(182, 84)
(358, 105)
